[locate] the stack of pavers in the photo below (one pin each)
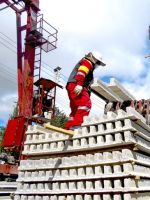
(108, 159)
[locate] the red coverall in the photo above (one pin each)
(80, 104)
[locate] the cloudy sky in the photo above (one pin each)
(116, 28)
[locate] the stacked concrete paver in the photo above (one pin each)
(108, 159)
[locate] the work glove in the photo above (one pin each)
(78, 89)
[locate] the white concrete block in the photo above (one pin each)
(127, 167)
(127, 154)
(81, 172)
(43, 163)
(23, 197)
(78, 132)
(98, 184)
(61, 145)
(79, 197)
(35, 175)
(98, 170)
(53, 146)
(107, 197)
(98, 157)
(76, 143)
(55, 186)
(53, 197)
(129, 136)
(107, 156)
(65, 173)
(84, 142)
(118, 197)
(46, 198)
(121, 113)
(39, 147)
(100, 139)
(33, 187)
(73, 172)
(31, 197)
(128, 197)
(57, 173)
(64, 186)
(40, 187)
(89, 171)
(118, 137)
(20, 186)
(117, 184)
(85, 131)
(117, 169)
(17, 197)
(101, 128)
(97, 197)
(61, 198)
(26, 148)
(28, 138)
(110, 126)
(81, 185)
(89, 185)
(26, 187)
(107, 184)
(70, 197)
(109, 139)
(111, 115)
(74, 160)
(108, 169)
(88, 197)
(89, 158)
(21, 174)
(48, 186)
(93, 129)
(81, 159)
(129, 182)
(46, 147)
(131, 111)
(92, 141)
(37, 197)
(72, 185)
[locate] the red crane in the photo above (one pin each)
(37, 38)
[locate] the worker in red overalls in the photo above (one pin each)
(78, 88)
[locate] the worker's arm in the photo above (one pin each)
(85, 67)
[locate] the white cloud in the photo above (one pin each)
(118, 29)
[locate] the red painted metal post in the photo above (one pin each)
(29, 64)
(19, 62)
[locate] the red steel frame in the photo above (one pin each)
(25, 63)
(26, 67)
(36, 36)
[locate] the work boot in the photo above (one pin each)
(74, 127)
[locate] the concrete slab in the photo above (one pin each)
(102, 89)
(118, 89)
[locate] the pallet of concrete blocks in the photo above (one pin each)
(127, 196)
(109, 131)
(108, 159)
(117, 171)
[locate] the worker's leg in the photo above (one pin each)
(71, 116)
(83, 109)
(80, 106)
(73, 107)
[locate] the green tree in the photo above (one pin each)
(60, 118)
(2, 131)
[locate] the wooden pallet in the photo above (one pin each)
(59, 130)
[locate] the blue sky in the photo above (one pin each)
(117, 29)
(2, 122)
